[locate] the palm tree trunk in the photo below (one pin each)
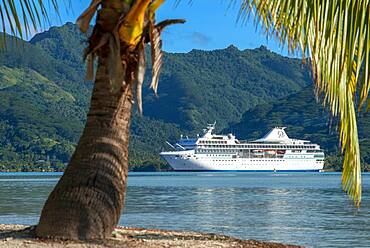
(87, 201)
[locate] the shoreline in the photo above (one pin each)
(173, 171)
(23, 236)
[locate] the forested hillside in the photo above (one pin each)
(208, 86)
(199, 86)
(44, 98)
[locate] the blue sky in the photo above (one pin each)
(211, 24)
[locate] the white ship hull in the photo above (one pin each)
(274, 152)
(242, 164)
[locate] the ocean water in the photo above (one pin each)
(299, 208)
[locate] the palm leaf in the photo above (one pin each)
(16, 16)
(336, 36)
(157, 54)
(140, 74)
(84, 19)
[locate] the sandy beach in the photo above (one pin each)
(23, 236)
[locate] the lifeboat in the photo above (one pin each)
(270, 152)
(257, 152)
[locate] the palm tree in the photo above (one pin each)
(87, 201)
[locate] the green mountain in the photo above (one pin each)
(201, 86)
(304, 119)
(44, 98)
(208, 86)
(38, 119)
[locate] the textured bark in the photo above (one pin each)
(87, 201)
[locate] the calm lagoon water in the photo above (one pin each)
(300, 208)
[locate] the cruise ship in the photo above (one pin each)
(273, 152)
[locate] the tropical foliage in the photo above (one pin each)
(23, 17)
(336, 37)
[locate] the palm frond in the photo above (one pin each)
(140, 74)
(132, 26)
(16, 16)
(336, 36)
(84, 19)
(157, 54)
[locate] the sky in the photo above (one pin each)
(210, 24)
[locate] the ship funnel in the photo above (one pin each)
(275, 135)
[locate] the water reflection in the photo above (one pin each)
(303, 209)
(307, 209)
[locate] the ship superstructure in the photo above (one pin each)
(273, 152)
